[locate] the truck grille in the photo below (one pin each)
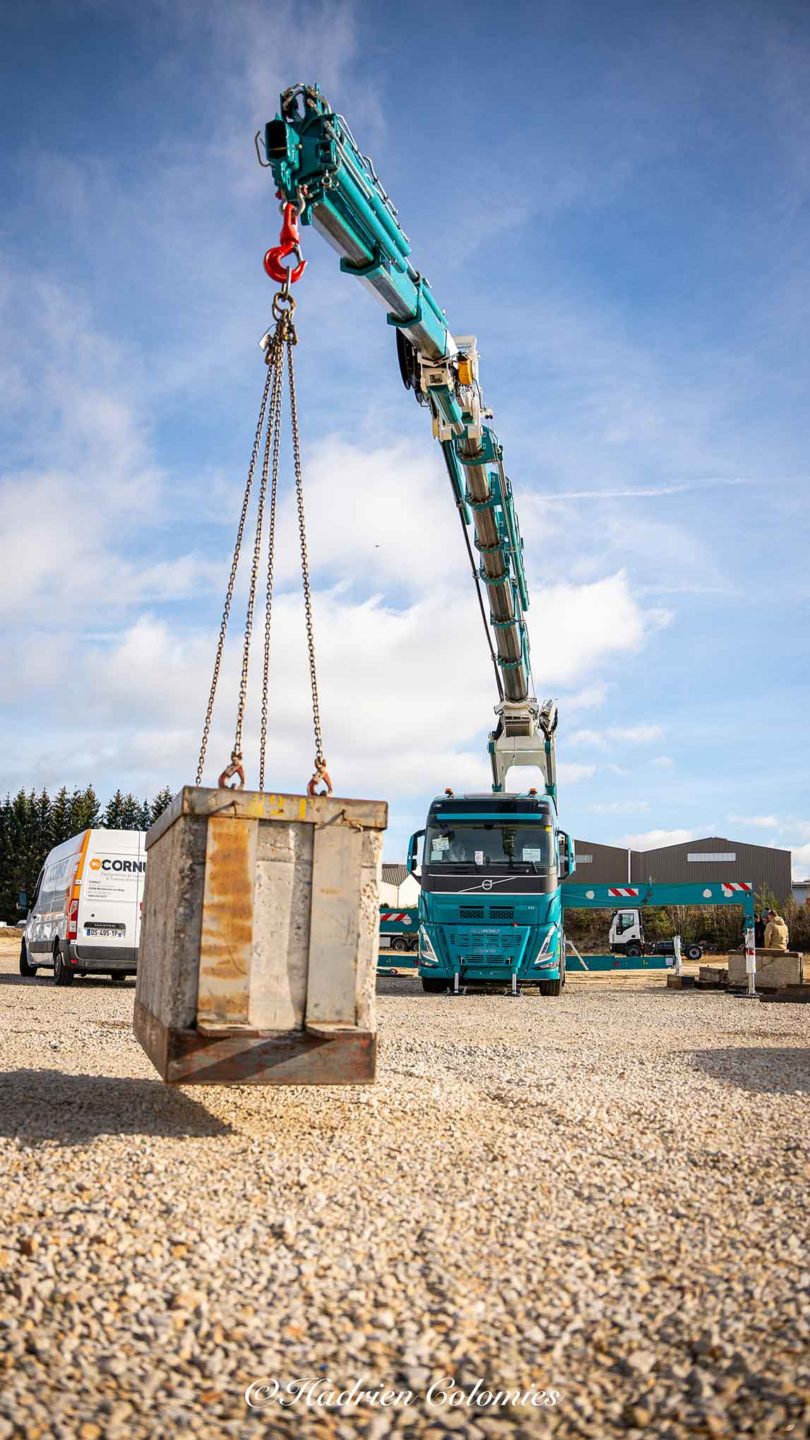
(471, 912)
(504, 912)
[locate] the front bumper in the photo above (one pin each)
(482, 954)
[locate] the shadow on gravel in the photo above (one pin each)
(762, 1069)
(40, 1105)
(83, 982)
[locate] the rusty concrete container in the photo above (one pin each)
(258, 950)
(775, 968)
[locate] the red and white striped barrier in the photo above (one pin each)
(399, 916)
(730, 886)
(622, 890)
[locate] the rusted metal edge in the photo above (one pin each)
(343, 1056)
(260, 805)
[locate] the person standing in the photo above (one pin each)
(776, 931)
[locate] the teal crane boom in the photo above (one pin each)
(320, 171)
(490, 904)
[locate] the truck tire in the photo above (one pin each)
(633, 949)
(62, 973)
(399, 943)
(26, 968)
(550, 987)
(694, 952)
(434, 987)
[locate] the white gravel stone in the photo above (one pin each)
(603, 1195)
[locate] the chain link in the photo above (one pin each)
(302, 531)
(271, 362)
(274, 364)
(283, 337)
(274, 423)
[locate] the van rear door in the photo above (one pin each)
(111, 889)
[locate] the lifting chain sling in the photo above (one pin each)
(278, 353)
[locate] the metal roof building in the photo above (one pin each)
(716, 857)
(691, 862)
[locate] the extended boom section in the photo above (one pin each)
(490, 904)
(318, 167)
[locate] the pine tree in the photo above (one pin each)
(85, 810)
(161, 802)
(113, 811)
(61, 817)
(129, 814)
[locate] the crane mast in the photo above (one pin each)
(319, 168)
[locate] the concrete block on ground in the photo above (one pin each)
(258, 949)
(775, 968)
(716, 975)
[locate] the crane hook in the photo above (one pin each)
(289, 244)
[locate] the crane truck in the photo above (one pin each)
(491, 866)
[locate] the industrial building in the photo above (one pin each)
(714, 857)
(398, 889)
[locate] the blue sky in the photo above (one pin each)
(614, 199)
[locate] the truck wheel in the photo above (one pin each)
(398, 943)
(434, 987)
(633, 949)
(550, 987)
(62, 973)
(694, 952)
(25, 967)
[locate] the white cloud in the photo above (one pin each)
(616, 734)
(570, 774)
(663, 762)
(801, 862)
(652, 839)
(757, 822)
(618, 807)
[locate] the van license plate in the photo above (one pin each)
(106, 932)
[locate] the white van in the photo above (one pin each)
(85, 914)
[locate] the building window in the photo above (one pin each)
(584, 859)
(724, 858)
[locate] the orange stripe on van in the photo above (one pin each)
(73, 888)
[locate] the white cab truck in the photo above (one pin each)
(84, 917)
(627, 938)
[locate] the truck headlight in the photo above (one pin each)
(544, 960)
(427, 954)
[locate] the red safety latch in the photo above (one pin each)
(289, 244)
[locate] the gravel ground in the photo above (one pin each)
(600, 1195)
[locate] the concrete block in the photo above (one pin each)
(774, 969)
(259, 938)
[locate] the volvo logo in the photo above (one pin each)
(486, 884)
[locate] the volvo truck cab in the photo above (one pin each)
(489, 907)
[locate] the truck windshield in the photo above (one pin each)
(498, 846)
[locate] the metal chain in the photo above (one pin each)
(271, 365)
(274, 424)
(284, 335)
(274, 365)
(320, 763)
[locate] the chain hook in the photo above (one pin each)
(321, 774)
(289, 244)
(235, 768)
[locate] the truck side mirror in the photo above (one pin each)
(565, 850)
(413, 844)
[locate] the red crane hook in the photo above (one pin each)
(289, 244)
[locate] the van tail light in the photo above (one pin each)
(73, 919)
